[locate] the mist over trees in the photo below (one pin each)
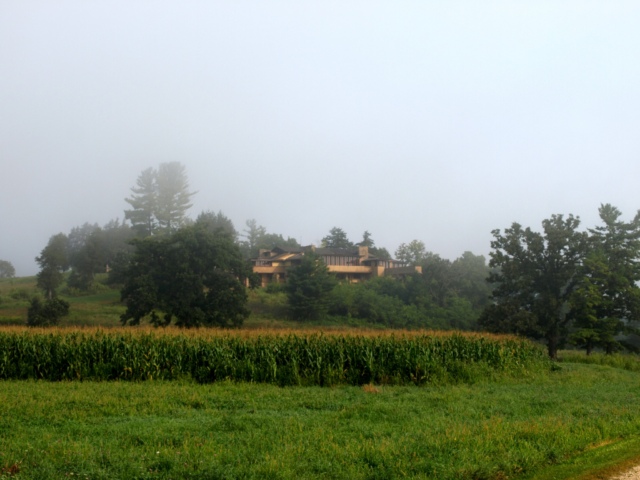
(560, 285)
(256, 238)
(160, 200)
(162, 260)
(6, 269)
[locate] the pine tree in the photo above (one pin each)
(143, 202)
(159, 200)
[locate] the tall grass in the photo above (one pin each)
(282, 357)
(625, 361)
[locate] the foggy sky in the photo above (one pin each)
(436, 121)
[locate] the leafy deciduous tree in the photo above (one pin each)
(536, 275)
(412, 254)
(6, 269)
(53, 260)
(193, 276)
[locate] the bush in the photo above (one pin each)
(46, 313)
(274, 287)
(20, 294)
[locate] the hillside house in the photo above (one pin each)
(348, 264)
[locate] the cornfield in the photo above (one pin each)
(283, 358)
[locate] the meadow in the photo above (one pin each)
(272, 401)
(567, 423)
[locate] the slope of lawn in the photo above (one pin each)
(559, 424)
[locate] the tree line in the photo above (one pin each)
(171, 268)
(560, 285)
(566, 285)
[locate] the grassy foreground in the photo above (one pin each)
(545, 426)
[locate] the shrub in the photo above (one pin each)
(48, 312)
(20, 294)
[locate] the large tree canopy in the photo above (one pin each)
(534, 278)
(607, 299)
(562, 283)
(194, 276)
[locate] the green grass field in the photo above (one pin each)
(563, 424)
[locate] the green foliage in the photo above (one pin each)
(46, 313)
(565, 285)
(217, 222)
(143, 203)
(309, 287)
(625, 361)
(20, 294)
(536, 273)
(469, 276)
(375, 303)
(173, 196)
(409, 303)
(311, 359)
(194, 276)
(159, 200)
(607, 298)
(6, 269)
(412, 254)
(337, 238)
(53, 260)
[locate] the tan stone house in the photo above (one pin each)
(348, 264)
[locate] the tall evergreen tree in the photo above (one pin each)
(173, 196)
(337, 238)
(143, 203)
(309, 287)
(159, 200)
